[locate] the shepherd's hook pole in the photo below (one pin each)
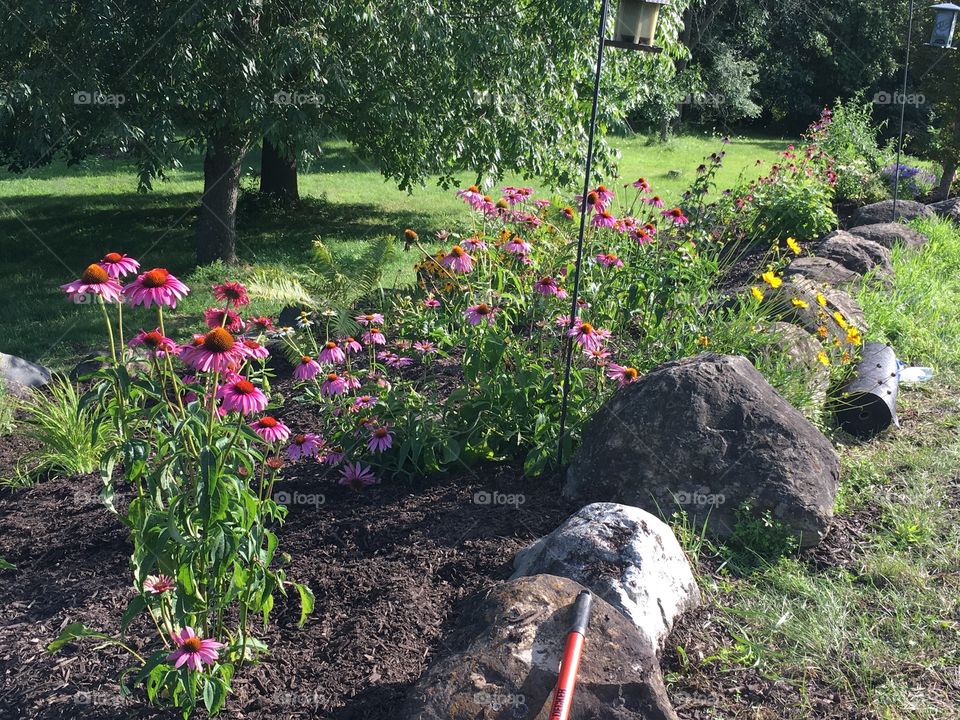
(574, 306)
(903, 112)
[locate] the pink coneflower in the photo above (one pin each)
(472, 196)
(477, 314)
(598, 356)
(118, 265)
(217, 351)
(393, 360)
(192, 650)
(676, 216)
(604, 193)
(567, 212)
(650, 229)
(425, 346)
(370, 319)
(431, 303)
(641, 185)
(223, 317)
(603, 219)
(587, 336)
(380, 439)
(624, 375)
(156, 287)
(254, 350)
(472, 244)
(641, 236)
(363, 402)
(374, 336)
(457, 260)
(333, 385)
(231, 292)
(357, 476)
(259, 324)
(518, 246)
(270, 429)
(352, 382)
(332, 353)
(609, 260)
(547, 286)
(304, 445)
(96, 281)
(158, 584)
(625, 224)
(307, 369)
(655, 201)
(350, 344)
(541, 204)
(241, 395)
(155, 343)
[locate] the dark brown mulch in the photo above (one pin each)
(389, 567)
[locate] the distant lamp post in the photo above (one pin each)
(635, 29)
(944, 25)
(636, 24)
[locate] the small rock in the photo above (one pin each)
(949, 209)
(856, 253)
(505, 653)
(19, 375)
(708, 435)
(889, 234)
(822, 270)
(625, 555)
(882, 212)
(809, 314)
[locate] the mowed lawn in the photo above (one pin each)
(55, 220)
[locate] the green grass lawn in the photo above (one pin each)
(56, 220)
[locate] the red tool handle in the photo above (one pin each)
(570, 665)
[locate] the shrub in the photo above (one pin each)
(848, 135)
(915, 182)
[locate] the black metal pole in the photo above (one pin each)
(574, 305)
(903, 112)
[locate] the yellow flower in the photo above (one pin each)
(794, 245)
(840, 321)
(822, 357)
(821, 300)
(800, 303)
(771, 279)
(757, 293)
(703, 341)
(822, 331)
(853, 336)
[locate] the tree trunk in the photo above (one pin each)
(946, 180)
(216, 227)
(278, 173)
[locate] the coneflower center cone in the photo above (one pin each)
(155, 278)
(218, 340)
(94, 275)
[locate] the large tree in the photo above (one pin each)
(426, 88)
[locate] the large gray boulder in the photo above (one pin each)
(856, 253)
(822, 270)
(890, 234)
(810, 314)
(708, 435)
(882, 212)
(504, 655)
(625, 555)
(949, 209)
(20, 376)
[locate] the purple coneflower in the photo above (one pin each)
(156, 287)
(363, 402)
(241, 395)
(307, 369)
(332, 353)
(374, 336)
(477, 314)
(609, 260)
(270, 429)
(472, 244)
(425, 346)
(223, 317)
(676, 216)
(155, 343)
(656, 201)
(380, 439)
(518, 246)
(370, 319)
(431, 303)
(350, 344)
(217, 351)
(118, 265)
(96, 281)
(158, 584)
(623, 375)
(548, 286)
(254, 350)
(231, 292)
(192, 650)
(357, 476)
(458, 260)
(587, 336)
(603, 219)
(304, 445)
(333, 385)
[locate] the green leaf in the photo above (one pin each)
(71, 632)
(136, 606)
(307, 601)
(4, 565)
